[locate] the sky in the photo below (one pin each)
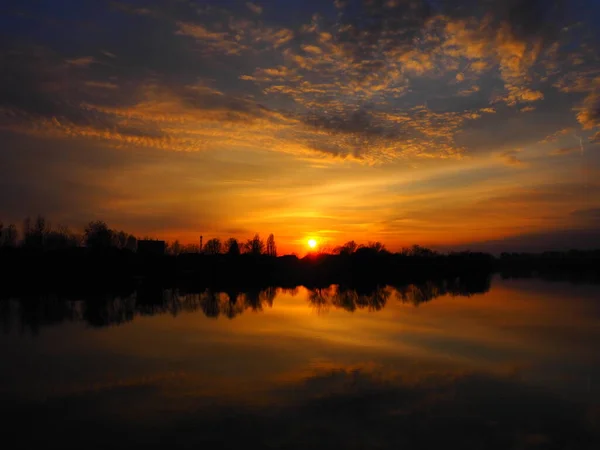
(454, 124)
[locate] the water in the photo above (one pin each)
(515, 366)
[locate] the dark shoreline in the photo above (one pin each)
(26, 270)
(112, 287)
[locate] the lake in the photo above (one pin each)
(512, 365)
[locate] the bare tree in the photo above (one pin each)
(120, 239)
(98, 235)
(191, 248)
(131, 243)
(232, 247)
(41, 225)
(417, 250)
(377, 246)
(254, 246)
(26, 227)
(175, 248)
(271, 247)
(213, 247)
(3, 233)
(347, 249)
(34, 235)
(10, 236)
(62, 237)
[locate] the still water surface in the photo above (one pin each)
(421, 367)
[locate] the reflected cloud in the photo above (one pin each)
(511, 368)
(338, 406)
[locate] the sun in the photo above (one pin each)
(312, 243)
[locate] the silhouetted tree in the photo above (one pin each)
(26, 229)
(191, 248)
(417, 250)
(8, 235)
(98, 235)
(34, 234)
(347, 249)
(62, 237)
(232, 247)
(255, 246)
(131, 243)
(120, 239)
(11, 236)
(213, 247)
(271, 247)
(376, 246)
(174, 248)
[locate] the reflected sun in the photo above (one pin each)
(312, 243)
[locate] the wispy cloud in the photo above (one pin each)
(84, 61)
(255, 8)
(565, 151)
(511, 158)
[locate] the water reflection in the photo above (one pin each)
(320, 367)
(36, 312)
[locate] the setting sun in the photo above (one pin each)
(312, 243)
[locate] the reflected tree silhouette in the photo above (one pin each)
(348, 299)
(35, 311)
(252, 299)
(268, 296)
(320, 299)
(233, 307)
(210, 304)
(110, 311)
(290, 291)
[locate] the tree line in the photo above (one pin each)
(39, 234)
(231, 246)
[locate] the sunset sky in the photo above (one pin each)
(448, 123)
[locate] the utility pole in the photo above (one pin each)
(200, 244)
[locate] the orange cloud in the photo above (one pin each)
(589, 112)
(213, 41)
(510, 158)
(565, 151)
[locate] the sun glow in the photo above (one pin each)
(312, 243)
